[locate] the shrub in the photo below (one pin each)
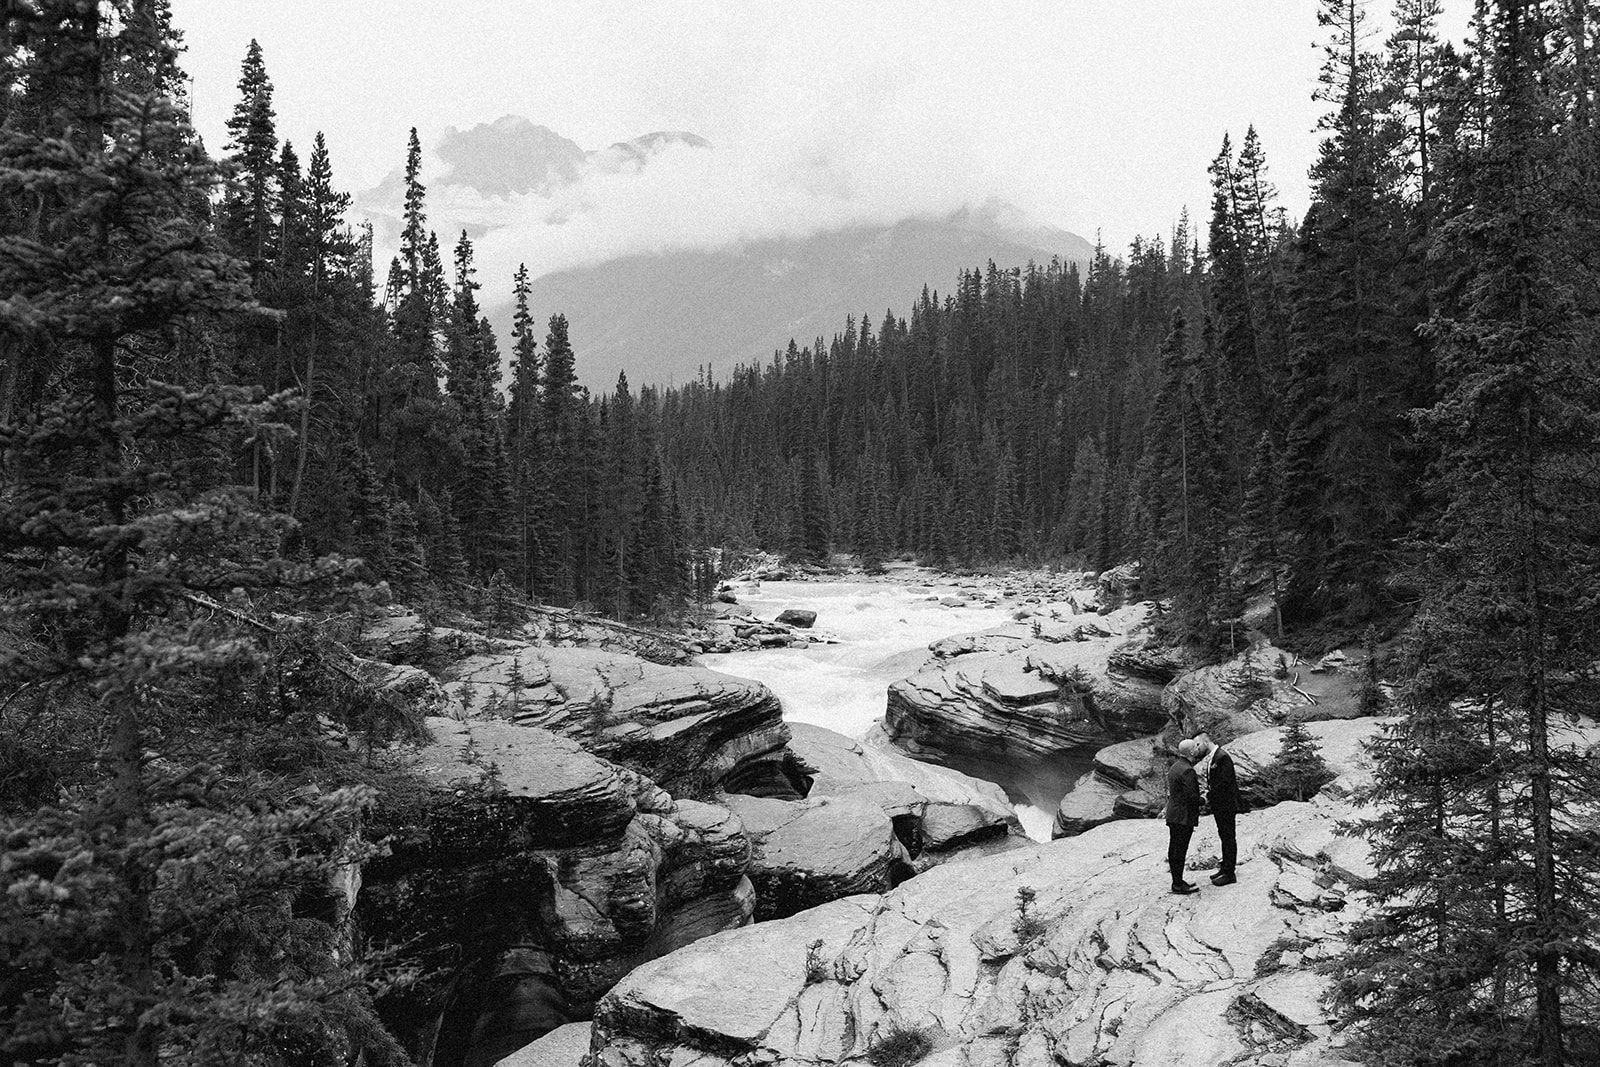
(818, 967)
(1027, 925)
(899, 1046)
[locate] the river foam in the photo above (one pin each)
(883, 627)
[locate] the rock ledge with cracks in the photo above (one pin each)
(1118, 971)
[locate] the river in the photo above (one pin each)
(883, 627)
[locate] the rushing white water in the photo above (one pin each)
(883, 629)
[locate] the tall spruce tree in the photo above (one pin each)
(150, 912)
(1508, 576)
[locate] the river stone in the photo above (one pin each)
(1122, 972)
(561, 1047)
(800, 617)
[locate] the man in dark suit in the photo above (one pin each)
(1183, 812)
(1222, 793)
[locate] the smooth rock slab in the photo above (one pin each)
(1122, 972)
(685, 998)
(811, 851)
(569, 794)
(562, 1047)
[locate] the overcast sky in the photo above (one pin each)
(1089, 114)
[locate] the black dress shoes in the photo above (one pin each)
(1223, 878)
(1185, 888)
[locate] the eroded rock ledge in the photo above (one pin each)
(1033, 689)
(1116, 971)
(580, 811)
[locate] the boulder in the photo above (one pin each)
(404, 686)
(812, 851)
(1117, 586)
(797, 617)
(1114, 969)
(1089, 803)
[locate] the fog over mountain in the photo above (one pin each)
(666, 254)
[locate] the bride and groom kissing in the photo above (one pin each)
(1200, 760)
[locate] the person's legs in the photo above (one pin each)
(1226, 833)
(1177, 850)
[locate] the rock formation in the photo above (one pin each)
(1236, 702)
(683, 727)
(531, 875)
(1027, 690)
(1259, 688)
(550, 839)
(1109, 968)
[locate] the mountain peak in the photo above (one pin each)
(512, 154)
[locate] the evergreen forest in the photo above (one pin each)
(224, 429)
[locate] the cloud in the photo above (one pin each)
(685, 197)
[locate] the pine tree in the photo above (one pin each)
(1355, 371)
(1299, 770)
(1506, 576)
(150, 912)
(1262, 532)
(441, 538)
(1371, 698)
(523, 441)
(253, 140)
(1423, 973)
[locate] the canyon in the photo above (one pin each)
(618, 851)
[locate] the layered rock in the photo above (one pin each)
(1016, 691)
(1125, 783)
(1341, 743)
(530, 875)
(685, 728)
(812, 851)
(937, 813)
(1110, 968)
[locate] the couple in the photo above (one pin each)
(1183, 808)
